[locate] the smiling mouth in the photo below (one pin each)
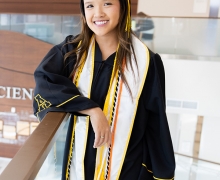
(100, 22)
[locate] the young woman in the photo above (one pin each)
(114, 87)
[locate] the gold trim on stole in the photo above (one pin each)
(137, 99)
(76, 81)
(108, 108)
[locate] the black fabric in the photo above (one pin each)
(150, 147)
(54, 86)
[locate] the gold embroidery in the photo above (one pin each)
(42, 103)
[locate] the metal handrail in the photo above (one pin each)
(199, 159)
(29, 159)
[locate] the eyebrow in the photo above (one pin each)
(88, 2)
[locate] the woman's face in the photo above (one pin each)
(102, 16)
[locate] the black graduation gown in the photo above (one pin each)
(150, 153)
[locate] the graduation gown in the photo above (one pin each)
(150, 153)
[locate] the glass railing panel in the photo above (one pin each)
(194, 169)
(71, 25)
(43, 148)
(182, 171)
(182, 36)
(176, 36)
(199, 171)
(52, 166)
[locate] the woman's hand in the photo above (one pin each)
(100, 126)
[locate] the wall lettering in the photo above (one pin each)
(16, 93)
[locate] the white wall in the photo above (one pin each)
(199, 81)
(187, 133)
(182, 130)
(177, 8)
(210, 143)
(219, 12)
(174, 125)
(194, 80)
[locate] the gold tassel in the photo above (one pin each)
(128, 23)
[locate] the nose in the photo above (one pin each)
(99, 12)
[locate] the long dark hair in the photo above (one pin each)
(125, 50)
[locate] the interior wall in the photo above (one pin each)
(9, 150)
(219, 12)
(210, 146)
(194, 81)
(19, 57)
(187, 133)
(174, 126)
(47, 6)
(183, 131)
(39, 6)
(176, 8)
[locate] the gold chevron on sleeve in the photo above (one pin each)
(68, 100)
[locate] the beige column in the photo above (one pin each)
(197, 139)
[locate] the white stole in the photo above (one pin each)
(120, 110)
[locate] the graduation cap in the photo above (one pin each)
(124, 3)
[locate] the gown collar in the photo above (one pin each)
(98, 56)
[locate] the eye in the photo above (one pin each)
(89, 6)
(107, 4)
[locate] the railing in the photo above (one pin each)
(189, 168)
(197, 159)
(41, 156)
(29, 159)
(197, 37)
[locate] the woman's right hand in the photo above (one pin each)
(100, 126)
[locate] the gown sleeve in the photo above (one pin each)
(160, 149)
(54, 90)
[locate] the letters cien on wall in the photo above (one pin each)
(17, 93)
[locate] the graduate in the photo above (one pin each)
(114, 88)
